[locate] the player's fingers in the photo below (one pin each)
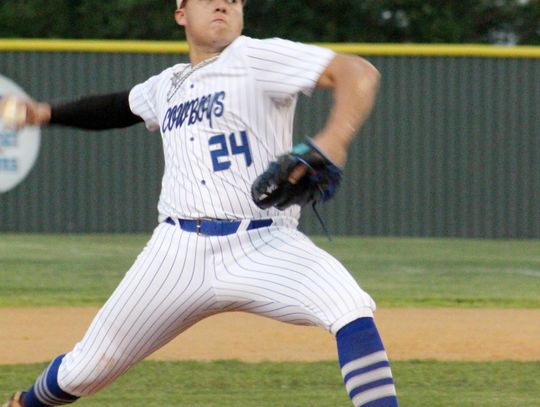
(297, 173)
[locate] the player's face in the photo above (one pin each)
(213, 23)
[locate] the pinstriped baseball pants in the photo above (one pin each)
(181, 277)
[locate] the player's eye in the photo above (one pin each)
(228, 1)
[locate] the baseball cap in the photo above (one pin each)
(180, 3)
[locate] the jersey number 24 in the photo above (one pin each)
(222, 154)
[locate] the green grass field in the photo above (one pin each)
(84, 270)
(235, 384)
(65, 270)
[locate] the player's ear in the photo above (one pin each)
(180, 16)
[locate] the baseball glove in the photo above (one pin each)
(318, 184)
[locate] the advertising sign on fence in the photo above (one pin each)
(18, 148)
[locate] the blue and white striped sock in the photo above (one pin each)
(46, 392)
(364, 365)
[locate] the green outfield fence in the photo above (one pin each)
(452, 148)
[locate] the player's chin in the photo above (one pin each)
(225, 29)
(222, 38)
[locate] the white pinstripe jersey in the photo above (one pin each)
(223, 121)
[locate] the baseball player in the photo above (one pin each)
(221, 245)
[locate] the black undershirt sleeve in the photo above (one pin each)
(99, 112)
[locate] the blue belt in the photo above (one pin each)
(217, 227)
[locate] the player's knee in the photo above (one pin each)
(360, 305)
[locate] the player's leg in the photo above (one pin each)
(364, 365)
(163, 293)
(278, 272)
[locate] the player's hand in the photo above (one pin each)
(303, 176)
(17, 112)
(333, 149)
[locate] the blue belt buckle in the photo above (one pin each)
(198, 226)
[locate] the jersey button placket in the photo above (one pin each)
(191, 86)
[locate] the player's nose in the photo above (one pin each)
(222, 5)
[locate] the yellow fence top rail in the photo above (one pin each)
(448, 50)
(111, 46)
(180, 47)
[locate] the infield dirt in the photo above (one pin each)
(29, 335)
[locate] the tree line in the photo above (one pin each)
(396, 21)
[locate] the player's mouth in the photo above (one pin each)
(219, 20)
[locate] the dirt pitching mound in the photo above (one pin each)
(29, 335)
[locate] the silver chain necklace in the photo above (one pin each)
(178, 78)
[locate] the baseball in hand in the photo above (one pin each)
(13, 112)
